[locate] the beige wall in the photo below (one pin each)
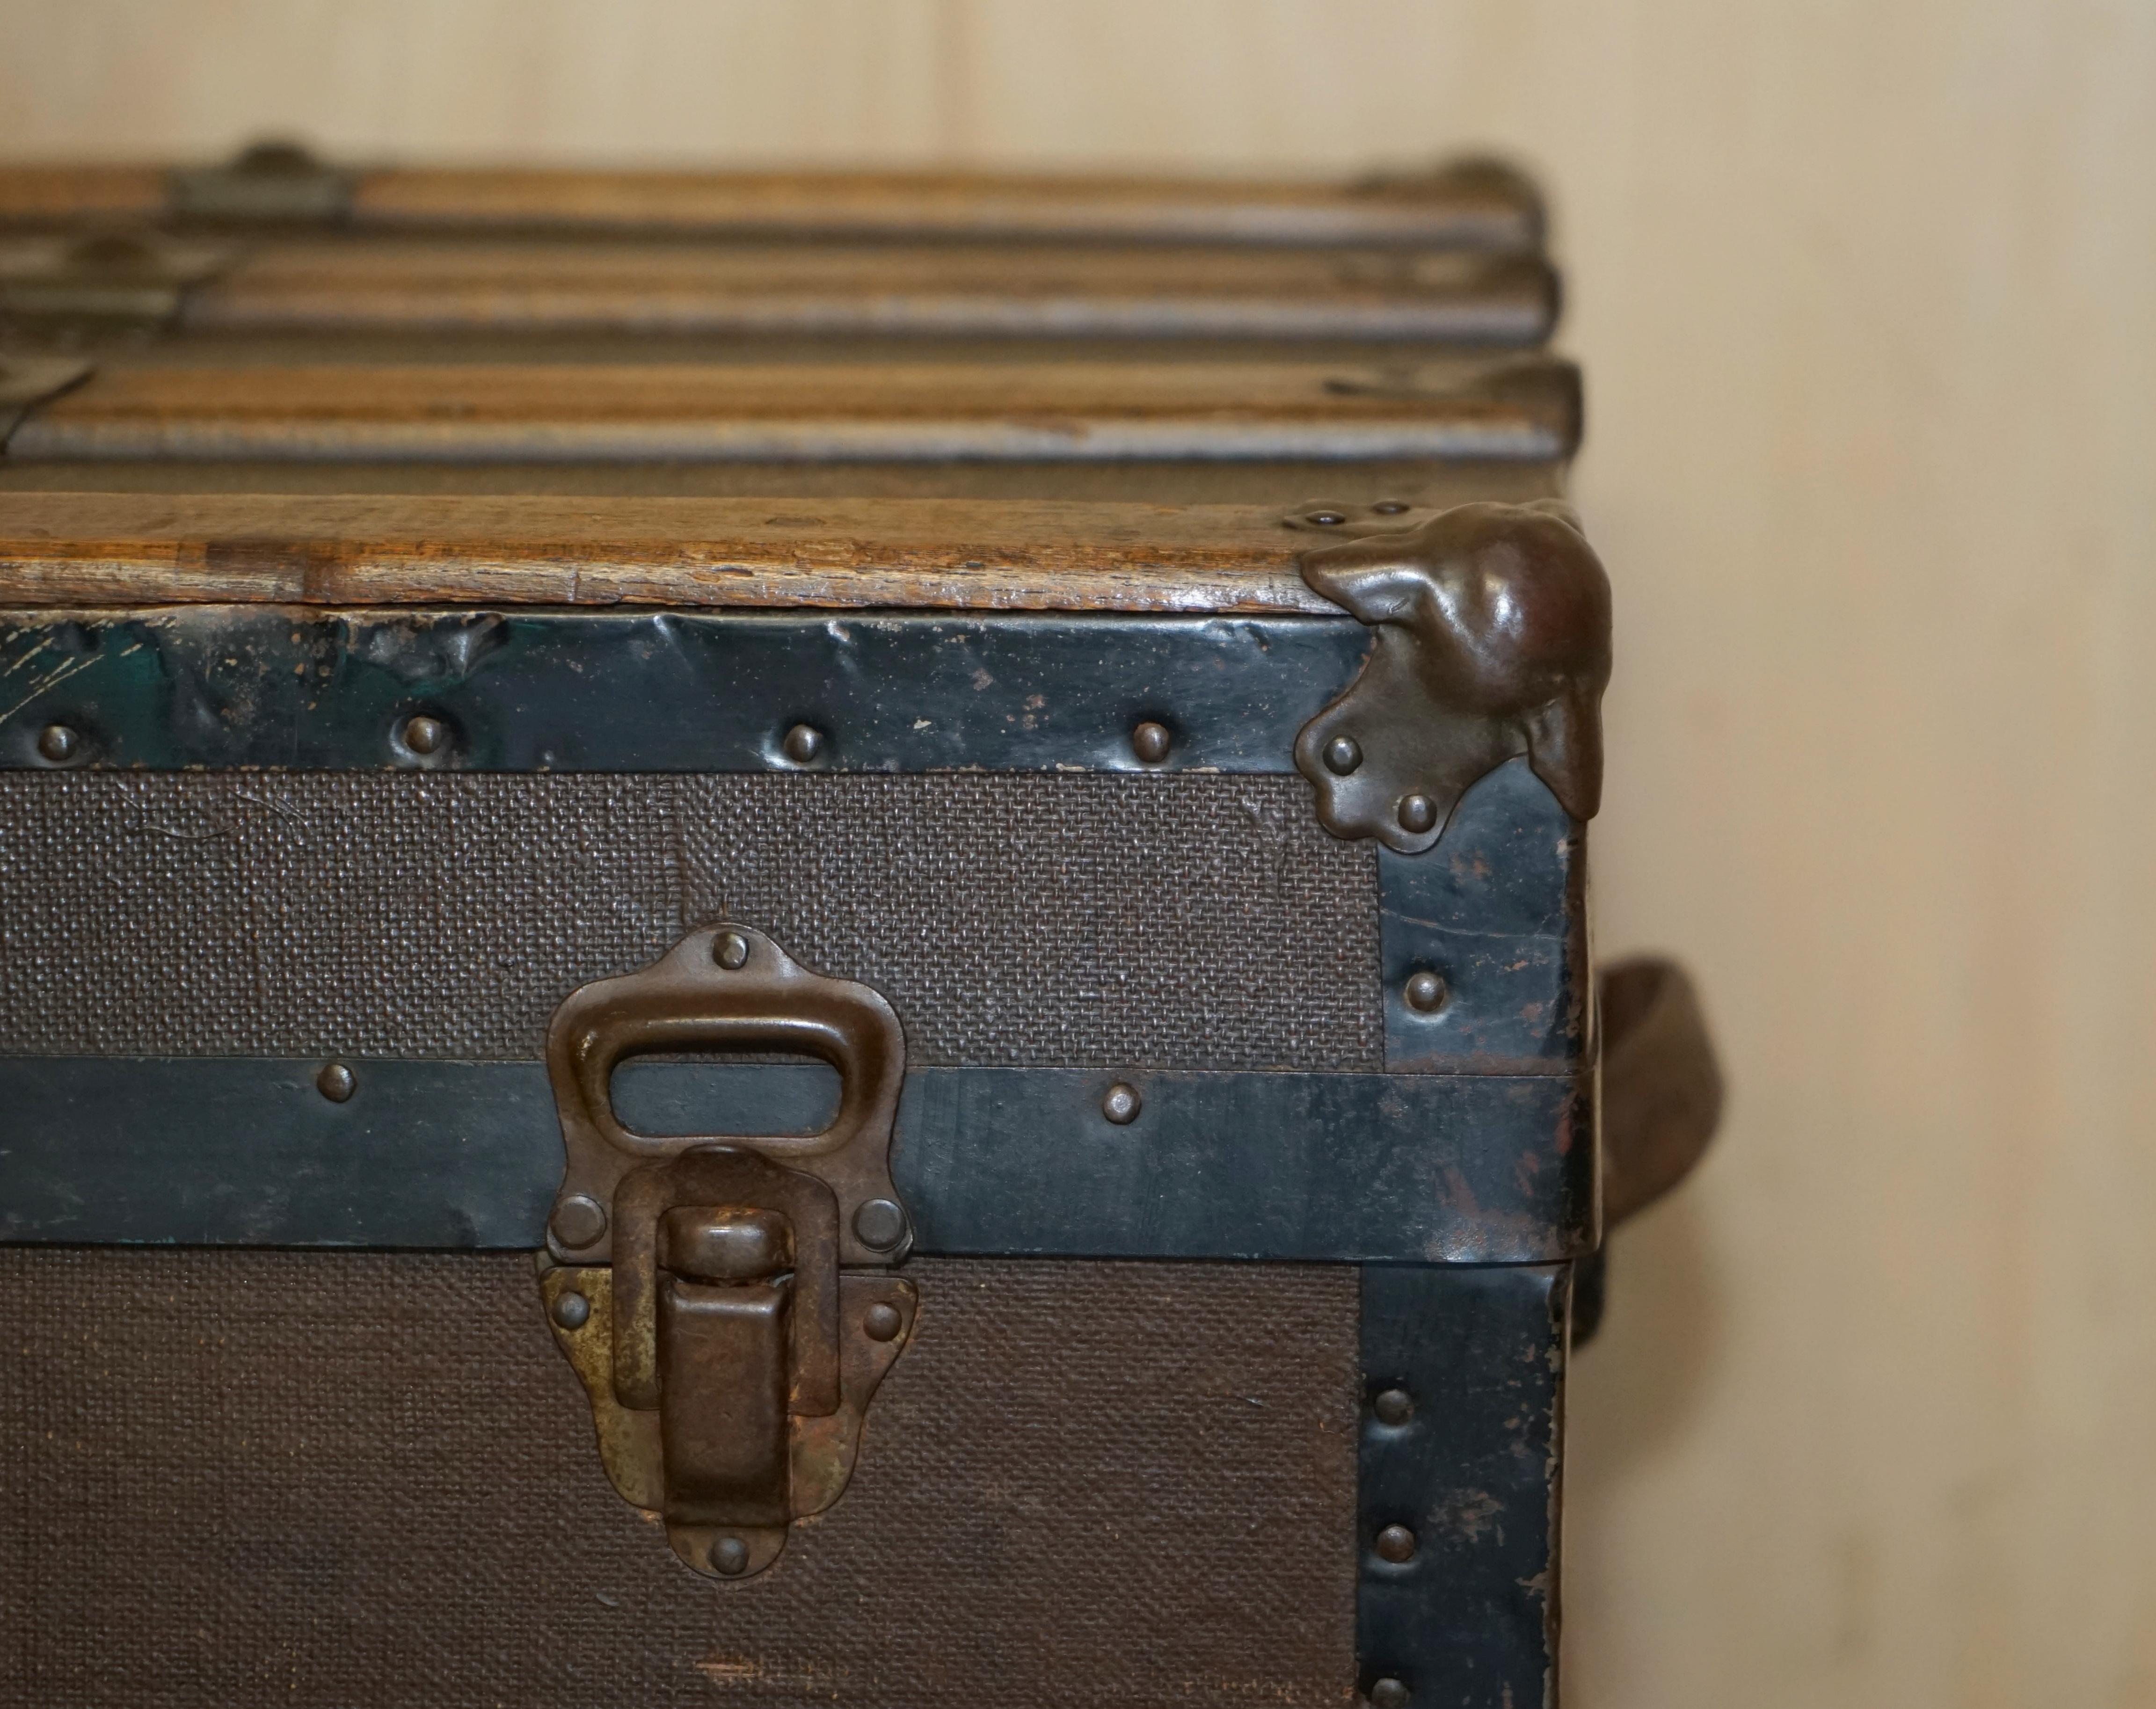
(1867, 297)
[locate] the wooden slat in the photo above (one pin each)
(1449, 208)
(1470, 209)
(393, 283)
(99, 549)
(42, 194)
(1052, 411)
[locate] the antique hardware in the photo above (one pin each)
(101, 280)
(1493, 641)
(730, 1331)
(268, 182)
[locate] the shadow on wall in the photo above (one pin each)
(1633, 1394)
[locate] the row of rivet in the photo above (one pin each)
(1417, 813)
(802, 744)
(1394, 1543)
(1120, 1104)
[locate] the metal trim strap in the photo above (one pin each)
(220, 686)
(465, 1156)
(1459, 1487)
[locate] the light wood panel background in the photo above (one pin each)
(1867, 297)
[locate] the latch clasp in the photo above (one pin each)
(720, 1297)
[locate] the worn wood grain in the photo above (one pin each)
(1037, 289)
(1525, 408)
(106, 548)
(1436, 207)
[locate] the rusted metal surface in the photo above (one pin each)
(687, 1002)
(1493, 641)
(720, 1334)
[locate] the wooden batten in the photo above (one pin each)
(1461, 205)
(103, 549)
(1072, 412)
(397, 284)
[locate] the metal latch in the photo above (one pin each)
(271, 183)
(117, 279)
(724, 1299)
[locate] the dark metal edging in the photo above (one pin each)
(466, 1155)
(543, 691)
(1459, 1487)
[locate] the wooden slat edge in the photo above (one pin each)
(76, 549)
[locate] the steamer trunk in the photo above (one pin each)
(1132, 1447)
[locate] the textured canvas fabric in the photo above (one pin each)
(250, 1478)
(1189, 921)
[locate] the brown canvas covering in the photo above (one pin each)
(243, 1479)
(1012, 920)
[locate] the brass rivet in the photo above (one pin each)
(423, 735)
(336, 1082)
(1326, 519)
(578, 1220)
(1425, 993)
(1122, 1104)
(1396, 1544)
(1418, 814)
(1388, 507)
(1394, 1406)
(729, 1555)
(802, 744)
(1389, 1694)
(882, 1322)
(880, 1225)
(1342, 754)
(572, 1311)
(730, 950)
(57, 743)
(1151, 741)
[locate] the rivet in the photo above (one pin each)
(1424, 993)
(423, 735)
(1342, 754)
(1388, 507)
(1151, 741)
(1418, 813)
(803, 742)
(578, 1220)
(730, 950)
(1122, 1104)
(1396, 1544)
(880, 1225)
(572, 1310)
(336, 1082)
(1326, 519)
(729, 1555)
(1394, 1406)
(57, 743)
(882, 1322)
(1389, 1694)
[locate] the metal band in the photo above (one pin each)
(1459, 1491)
(546, 691)
(465, 1156)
